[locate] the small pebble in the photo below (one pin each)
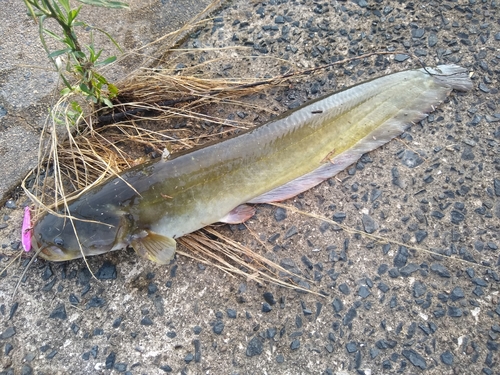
(295, 345)
(254, 347)
(10, 204)
(120, 367)
(369, 224)
(59, 312)
(95, 302)
(337, 304)
(266, 307)
(146, 321)
(280, 214)
(349, 317)
(8, 348)
(440, 270)
(218, 327)
(457, 293)
(166, 368)
(110, 360)
(363, 291)
(351, 347)
(269, 298)
(344, 288)
(106, 272)
(416, 359)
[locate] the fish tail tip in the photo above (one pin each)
(453, 76)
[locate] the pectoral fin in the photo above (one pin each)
(153, 246)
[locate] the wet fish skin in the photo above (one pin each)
(272, 162)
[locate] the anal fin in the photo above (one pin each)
(299, 185)
(238, 215)
(153, 246)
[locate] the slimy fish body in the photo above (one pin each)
(148, 206)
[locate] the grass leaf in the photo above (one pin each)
(106, 3)
(59, 53)
(107, 61)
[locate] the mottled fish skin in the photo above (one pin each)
(150, 205)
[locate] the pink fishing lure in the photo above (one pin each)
(26, 229)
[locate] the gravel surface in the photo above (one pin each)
(380, 307)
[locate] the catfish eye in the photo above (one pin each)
(58, 241)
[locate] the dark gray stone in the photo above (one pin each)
(454, 312)
(400, 57)
(189, 358)
(254, 347)
(401, 257)
(432, 39)
(416, 359)
(8, 348)
(420, 235)
(120, 367)
(106, 272)
(339, 217)
(266, 307)
(59, 312)
(351, 347)
(349, 317)
(369, 224)
(96, 301)
(218, 327)
(467, 154)
(419, 289)
(280, 214)
(408, 269)
(410, 158)
(440, 270)
(337, 304)
(344, 288)
(9, 332)
(197, 350)
(110, 360)
(457, 293)
(383, 287)
(269, 298)
(417, 33)
(457, 217)
(363, 291)
(291, 232)
(496, 186)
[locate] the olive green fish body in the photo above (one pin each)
(149, 206)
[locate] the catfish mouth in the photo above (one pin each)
(51, 252)
(55, 254)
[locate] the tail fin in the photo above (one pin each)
(452, 76)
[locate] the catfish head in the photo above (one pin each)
(59, 238)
